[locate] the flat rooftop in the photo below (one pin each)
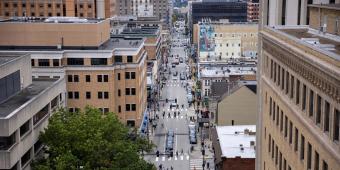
(227, 71)
(62, 20)
(144, 31)
(24, 96)
(235, 141)
(326, 43)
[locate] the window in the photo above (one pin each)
(127, 91)
(118, 59)
(296, 139)
(324, 165)
(133, 91)
(304, 96)
(100, 95)
(40, 115)
(311, 103)
(88, 95)
(102, 78)
(75, 78)
(270, 106)
(283, 79)
(32, 63)
(269, 142)
(127, 107)
(133, 107)
(326, 117)
(280, 161)
(119, 109)
(291, 86)
(133, 75)
(274, 72)
(118, 76)
(76, 95)
(287, 82)
(69, 78)
(127, 75)
(309, 156)
(25, 158)
(106, 78)
(55, 62)
(118, 92)
(24, 128)
(278, 75)
(302, 148)
(273, 145)
(75, 61)
(106, 95)
(37, 146)
(129, 59)
(286, 126)
(336, 125)
(277, 115)
(274, 106)
(290, 132)
(281, 121)
(70, 95)
(87, 78)
(44, 62)
(98, 61)
(297, 99)
(276, 154)
(318, 110)
(316, 160)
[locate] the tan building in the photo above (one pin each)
(106, 72)
(25, 106)
(148, 8)
(299, 94)
(69, 8)
(237, 107)
(253, 7)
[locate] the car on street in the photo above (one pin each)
(181, 60)
(173, 65)
(173, 105)
(192, 133)
(169, 144)
(182, 76)
(189, 97)
(175, 73)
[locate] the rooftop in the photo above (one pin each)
(237, 141)
(325, 43)
(24, 96)
(144, 31)
(55, 20)
(6, 58)
(226, 71)
(326, 6)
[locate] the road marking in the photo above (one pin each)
(156, 159)
(181, 117)
(175, 158)
(187, 157)
(169, 159)
(182, 157)
(163, 158)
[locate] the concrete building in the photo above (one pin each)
(223, 41)
(299, 88)
(238, 106)
(25, 106)
(110, 70)
(144, 8)
(253, 7)
(234, 147)
(69, 8)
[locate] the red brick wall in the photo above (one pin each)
(239, 164)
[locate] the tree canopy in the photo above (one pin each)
(91, 140)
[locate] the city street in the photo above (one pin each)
(177, 119)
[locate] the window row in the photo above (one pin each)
(309, 101)
(100, 95)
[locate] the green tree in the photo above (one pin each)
(91, 140)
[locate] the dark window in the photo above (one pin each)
(100, 95)
(133, 75)
(76, 95)
(119, 109)
(99, 78)
(316, 161)
(69, 78)
(318, 110)
(276, 153)
(98, 61)
(15, 5)
(297, 95)
(287, 82)
(324, 165)
(133, 91)
(106, 78)
(87, 78)
(24, 128)
(118, 59)
(127, 107)
(49, 5)
(75, 78)
(296, 139)
(58, 5)
(290, 132)
(127, 75)
(291, 86)
(336, 125)
(118, 76)
(81, 6)
(37, 146)
(129, 59)
(89, 6)
(70, 95)
(270, 106)
(326, 119)
(88, 95)
(133, 107)
(283, 18)
(7, 141)
(106, 110)
(106, 95)
(286, 126)
(127, 91)
(40, 115)
(302, 148)
(25, 158)
(277, 115)
(281, 121)
(332, 1)
(23, 5)
(283, 79)
(304, 96)
(309, 156)
(299, 12)
(55, 62)
(32, 62)
(44, 62)
(269, 143)
(75, 61)
(6, 5)
(119, 92)
(311, 103)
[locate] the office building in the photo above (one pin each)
(25, 106)
(234, 147)
(144, 8)
(69, 8)
(299, 86)
(110, 69)
(253, 7)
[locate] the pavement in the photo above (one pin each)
(176, 119)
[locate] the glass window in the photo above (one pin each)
(75, 78)
(133, 75)
(336, 125)
(118, 59)
(106, 78)
(88, 78)
(129, 59)
(24, 128)
(88, 95)
(127, 107)
(75, 61)
(127, 75)
(106, 95)
(44, 62)
(55, 62)
(98, 61)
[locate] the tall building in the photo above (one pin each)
(70, 8)
(110, 70)
(25, 106)
(143, 8)
(299, 86)
(253, 7)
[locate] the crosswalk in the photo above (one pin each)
(184, 157)
(176, 110)
(196, 164)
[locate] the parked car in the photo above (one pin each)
(170, 141)
(182, 77)
(173, 105)
(181, 60)
(192, 133)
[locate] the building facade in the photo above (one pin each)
(69, 8)
(110, 69)
(25, 106)
(299, 88)
(144, 8)
(253, 7)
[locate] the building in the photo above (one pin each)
(299, 87)
(234, 147)
(25, 106)
(156, 8)
(69, 8)
(253, 7)
(110, 69)
(224, 41)
(238, 106)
